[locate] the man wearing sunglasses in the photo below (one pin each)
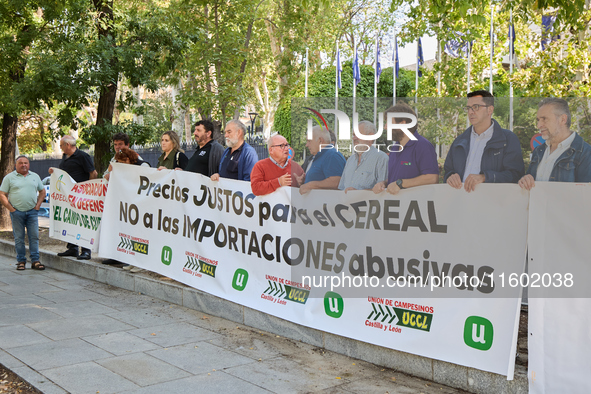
(275, 171)
(485, 152)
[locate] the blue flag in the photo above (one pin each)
(547, 29)
(420, 59)
(511, 36)
(378, 65)
(395, 56)
(457, 47)
(339, 68)
(356, 71)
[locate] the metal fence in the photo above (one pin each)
(149, 153)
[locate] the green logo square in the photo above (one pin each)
(166, 255)
(240, 279)
(478, 333)
(333, 304)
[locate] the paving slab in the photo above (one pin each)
(58, 353)
(174, 334)
(25, 315)
(120, 343)
(9, 301)
(79, 326)
(281, 375)
(200, 357)
(89, 378)
(78, 308)
(15, 336)
(143, 369)
(214, 382)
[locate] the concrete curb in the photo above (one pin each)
(457, 376)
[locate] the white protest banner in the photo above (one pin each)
(76, 209)
(281, 253)
(559, 341)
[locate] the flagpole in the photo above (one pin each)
(336, 83)
(394, 69)
(417, 75)
(306, 88)
(468, 76)
(492, 14)
(511, 54)
(375, 85)
(438, 93)
(354, 82)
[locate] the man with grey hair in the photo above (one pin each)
(327, 166)
(80, 167)
(565, 157)
(367, 165)
(275, 171)
(239, 158)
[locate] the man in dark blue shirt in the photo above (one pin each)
(239, 158)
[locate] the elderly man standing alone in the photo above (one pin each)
(367, 165)
(270, 174)
(79, 166)
(22, 193)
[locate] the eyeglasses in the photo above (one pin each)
(475, 107)
(282, 146)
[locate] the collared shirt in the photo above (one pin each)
(229, 164)
(277, 164)
(364, 174)
(327, 163)
(22, 190)
(79, 165)
(477, 145)
(199, 162)
(547, 163)
(417, 158)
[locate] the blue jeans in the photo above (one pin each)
(30, 221)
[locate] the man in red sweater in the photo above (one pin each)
(270, 174)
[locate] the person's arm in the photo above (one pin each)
(93, 174)
(249, 161)
(448, 168)
(513, 167)
(183, 161)
(259, 185)
(425, 179)
(40, 199)
(5, 202)
(583, 168)
(330, 183)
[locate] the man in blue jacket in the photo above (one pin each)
(565, 157)
(485, 152)
(239, 158)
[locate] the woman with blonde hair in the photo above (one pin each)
(172, 155)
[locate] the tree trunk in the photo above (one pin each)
(106, 104)
(9, 125)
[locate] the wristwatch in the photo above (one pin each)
(399, 183)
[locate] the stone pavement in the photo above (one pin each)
(63, 333)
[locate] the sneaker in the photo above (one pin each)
(136, 269)
(128, 267)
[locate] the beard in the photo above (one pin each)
(231, 142)
(397, 135)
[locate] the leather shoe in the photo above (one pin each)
(69, 252)
(84, 256)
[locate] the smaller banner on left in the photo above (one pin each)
(76, 209)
